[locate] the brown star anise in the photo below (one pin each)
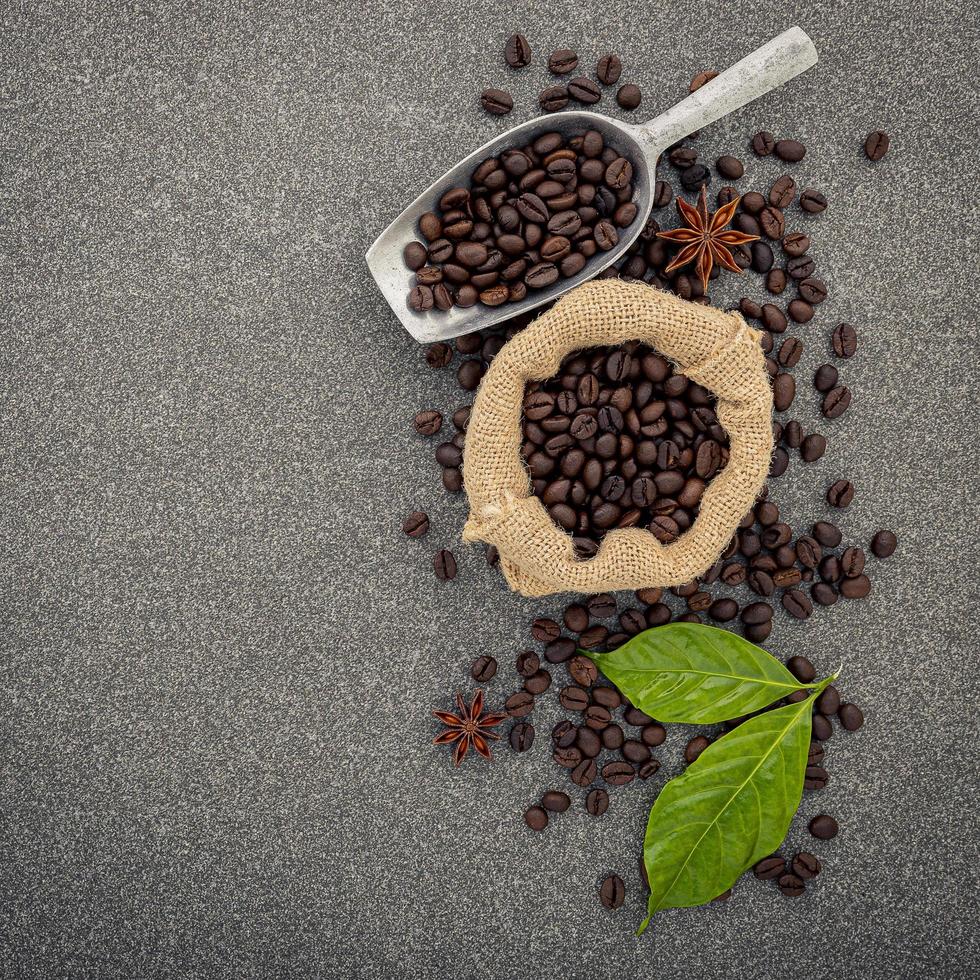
(705, 238)
(470, 727)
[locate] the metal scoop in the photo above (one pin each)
(776, 62)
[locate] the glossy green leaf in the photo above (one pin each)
(695, 674)
(731, 808)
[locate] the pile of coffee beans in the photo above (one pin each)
(529, 217)
(619, 439)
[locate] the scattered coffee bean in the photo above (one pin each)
(770, 868)
(763, 143)
(629, 97)
(731, 168)
(416, 524)
(520, 704)
(844, 340)
(517, 51)
(876, 145)
(813, 447)
(792, 151)
(695, 747)
(444, 565)
(562, 61)
(823, 827)
(812, 201)
(801, 669)
(521, 736)
(536, 817)
(538, 682)
(609, 68)
(555, 801)
(884, 543)
(484, 668)
(701, 78)
(527, 663)
(851, 716)
(496, 101)
(806, 865)
(791, 885)
(836, 402)
(597, 802)
(584, 90)
(428, 423)
(612, 892)
(825, 377)
(840, 493)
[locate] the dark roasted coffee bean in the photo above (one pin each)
(813, 290)
(851, 716)
(813, 447)
(629, 97)
(801, 669)
(723, 610)
(815, 777)
(527, 662)
(756, 613)
(857, 587)
(583, 671)
(791, 885)
(884, 543)
(763, 143)
(836, 402)
(663, 194)
(597, 717)
(792, 151)
(612, 737)
(695, 747)
(693, 178)
(562, 61)
(824, 594)
(496, 101)
(585, 773)
(635, 751)
(415, 255)
(797, 604)
(584, 90)
(806, 865)
(823, 827)
(483, 668)
(783, 391)
(825, 377)
(729, 167)
(517, 52)
(852, 562)
(782, 192)
(564, 734)
(536, 817)
(428, 423)
(545, 630)
(609, 68)
(829, 701)
(770, 868)
(588, 742)
(573, 698)
(555, 801)
(801, 267)
(840, 493)
(416, 524)
(538, 682)
(597, 802)
(844, 340)
(876, 145)
(521, 736)
(636, 717)
(520, 704)
(813, 201)
(568, 757)
(612, 892)
(822, 729)
(618, 773)
(653, 734)
(444, 565)
(554, 98)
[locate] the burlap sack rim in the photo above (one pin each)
(537, 557)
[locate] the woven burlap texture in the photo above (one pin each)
(714, 348)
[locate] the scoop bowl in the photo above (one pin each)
(765, 69)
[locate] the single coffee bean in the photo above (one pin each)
(536, 817)
(635, 751)
(791, 885)
(813, 290)
(597, 802)
(782, 192)
(823, 826)
(560, 650)
(723, 610)
(730, 167)
(483, 668)
(496, 101)
(585, 773)
(612, 737)
(813, 201)
(629, 97)
(517, 51)
(618, 773)
(797, 604)
(538, 682)
(562, 61)
(763, 143)
(756, 613)
(521, 736)
(695, 747)
(852, 562)
(568, 757)
(801, 669)
(653, 734)
(884, 543)
(813, 447)
(609, 68)
(545, 630)
(825, 377)
(555, 801)
(554, 98)
(876, 145)
(840, 493)
(829, 701)
(806, 865)
(415, 255)
(584, 90)
(696, 177)
(836, 402)
(823, 594)
(573, 698)
(770, 868)
(416, 524)
(792, 151)
(815, 777)
(428, 422)
(612, 892)
(822, 729)
(844, 340)
(444, 565)
(851, 716)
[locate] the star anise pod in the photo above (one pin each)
(471, 727)
(706, 239)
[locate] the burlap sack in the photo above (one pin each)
(715, 349)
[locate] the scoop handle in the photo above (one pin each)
(770, 66)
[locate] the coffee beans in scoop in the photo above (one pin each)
(530, 216)
(618, 439)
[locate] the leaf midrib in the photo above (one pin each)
(712, 673)
(741, 787)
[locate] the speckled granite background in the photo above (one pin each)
(219, 652)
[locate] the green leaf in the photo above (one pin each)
(730, 808)
(695, 674)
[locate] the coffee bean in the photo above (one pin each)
(801, 669)
(797, 604)
(823, 826)
(612, 737)
(629, 97)
(618, 773)
(782, 192)
(851, 716)
(695, 747)
(730, 167)
(840, 493)
(884, 543)
(585, 773)
(483, 668)
(597, 802)
(545, 630)
(573, 698)
(825, 377)
(496, 101)
(520, 704)
(876, 145)
(444, 565)
(663, 194)
(521, 736)
(635, 751)
(824, 594)
(813, 290)
(538, 682)
(769, 868)
(416, 524)
(415, 255)
(813, 201)
(791, 885)
(723, 610)
(562, 61)
(844, 340)
(696, 177)
(584, 90)
(813, 447)
(700, 79)
(815, 777)
(612, 892)
(763, 143)
(568, 757)
(792, 151)
(555, 801)
(852, 562)
(554, 98)
(836, 401)
(536, 817)
(609, 68)
(822, 729)
(806, 865)
(829, 701)
(517, 52)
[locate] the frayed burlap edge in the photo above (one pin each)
(714, 348)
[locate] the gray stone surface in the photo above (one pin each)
(219, 653)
